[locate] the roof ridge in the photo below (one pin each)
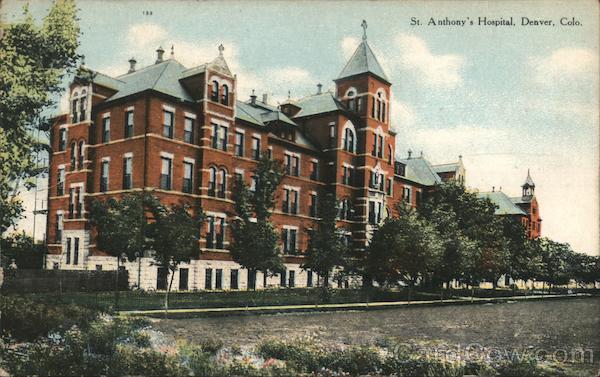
(160, 75)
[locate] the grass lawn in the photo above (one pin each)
(139, 300)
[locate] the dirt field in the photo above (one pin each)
(540, 325)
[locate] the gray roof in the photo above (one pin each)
(504, 204)
(318, 104)
(521, 200)
(363, 60)
(446, 168)
(162, 77)
(107, 81)
(420, 171)
(260, 113)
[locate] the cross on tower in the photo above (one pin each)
(221, 48)
(364, 26)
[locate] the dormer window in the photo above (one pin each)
(214, 96)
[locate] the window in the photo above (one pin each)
(332, 135)
(289, 236)
(74, 108)
(219, 278)
(406, 194)
(390, 154)
(165, 173)
(104, 176)
(282, 278)
(60, 186)
(127, 169)
(349, 142)
(106, 129)
(225, 95)
(348, 175)
(309, 278)
(314, 171)
(219, 137)
(374, 212)
(76, 250)
(390, 186)
(292, 165)
(168, 118)
(81, 155)
(62, 139)
(82, 105)
(222, 183)
(380, 146)
(345, 209)
(73, 156)
(212, 181)
(208, 278)
(215, 238)
(292, 279)
(253, 183)
(239, 144)
(233, 281)
(256, 148)
(128, 123)
(78, 202)
(188, 169)
(184, 274)
(313, 204)
(351, 100)
(68, 253)
(188, 130)
(59, 227)
(71, 203)
(214, 95)
(252, 280)
(290, 201)
(399, 168)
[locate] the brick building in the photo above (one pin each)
(184, 134)
(524, 207)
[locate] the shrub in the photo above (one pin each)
(421, 367)
(25, 319)
(356, 360)
(211, 345)
(527, 367)
(301, 355)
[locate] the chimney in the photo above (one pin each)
(493, 188)
(253, 98)
(319, 88)
(159, 55)
(265, 98)
(409, 154)
(132, 62)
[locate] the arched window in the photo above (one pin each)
(81, 154)
(351, 100)
(349, 142)
(222, 183)
(225, 97)
(83, 106)
(212, 181)
(379, 105)
(73, 155)
(74, 107)
(215, 92)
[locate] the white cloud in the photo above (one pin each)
(564, 64)
(439, 71)
(146, 35)
(403, 116)
(349, 44)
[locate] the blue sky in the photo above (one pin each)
(506, 98)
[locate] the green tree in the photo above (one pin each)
(33, 61)
(174, 235)
(327, 247)
(255, 242)
(583, 268)
(555, 262)
(403, 249)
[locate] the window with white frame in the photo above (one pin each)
(375, 212)
(256, 148)
(348, 175)
(188, 130)
(128, 123)
(168, 123)
(60, 185)
(314, 202)
(221, 193)
(239, 144)
(62, 139)
(59, 227)
(345, 209)
(127, 171)
(349, 140)
(314, 169)
(292, 164)
(166, 172)
(188, 171)
(212, 181)
(106, 129)
(104, 175)
(407, 194)
(219, 136)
